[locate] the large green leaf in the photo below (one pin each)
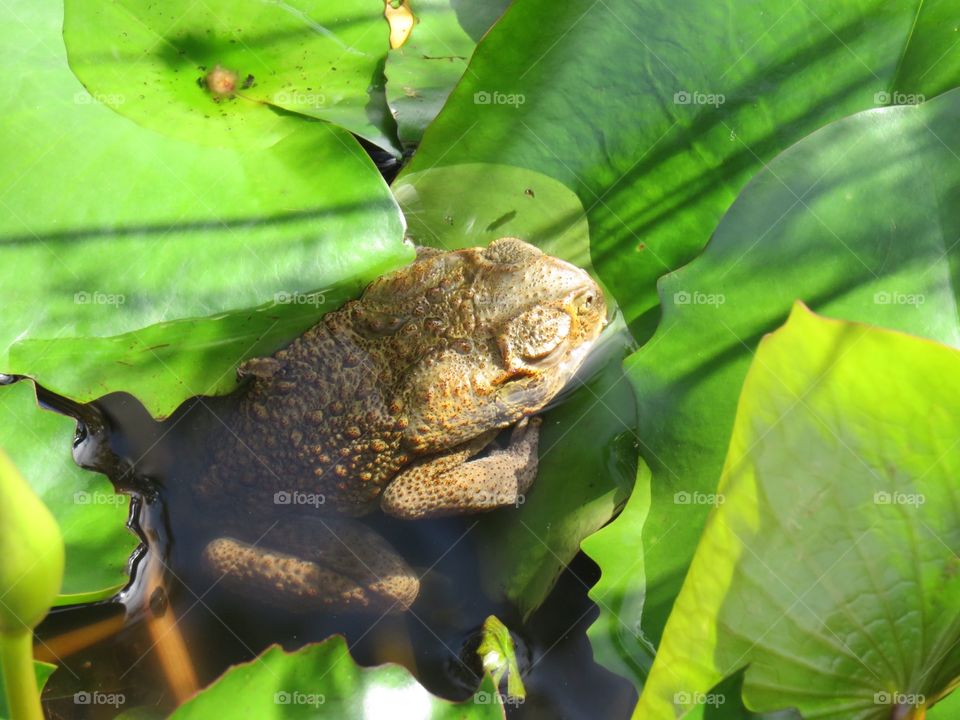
(657, 113)
(322, 681)
(859, 221)
(588, 459)
(421, 73)
(829, 567)
(320, 59)
(91, 516)
(109, 227)
(946, 709)
(167, 362)
(587, 448)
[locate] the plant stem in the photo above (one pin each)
(16, 657)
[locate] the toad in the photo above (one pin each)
(394, 401)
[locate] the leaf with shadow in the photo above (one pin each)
(587, 449)
(828, 565)
(860, 221)
(421, 73)
(111, 228)
(321, 60)
(165, 363)
(588, 460)
(657, 113)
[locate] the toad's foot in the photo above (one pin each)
(300, 565)
(453, 485)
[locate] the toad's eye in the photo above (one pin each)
(587, 302)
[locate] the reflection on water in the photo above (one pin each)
(199, 624)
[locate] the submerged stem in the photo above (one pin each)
(16, 658)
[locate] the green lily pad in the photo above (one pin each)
(870, 237)
(43, 670)
(476, 203)
(587, 448)
(322, 680)
(588, 459)
(165, 363)
(657, 114)
(946, 709)
(421, 73)
(829, 567)
(91, 516)
(110, 227)
(150, 63)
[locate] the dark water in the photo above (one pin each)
(157, 463)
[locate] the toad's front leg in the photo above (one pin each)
(452, 484)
